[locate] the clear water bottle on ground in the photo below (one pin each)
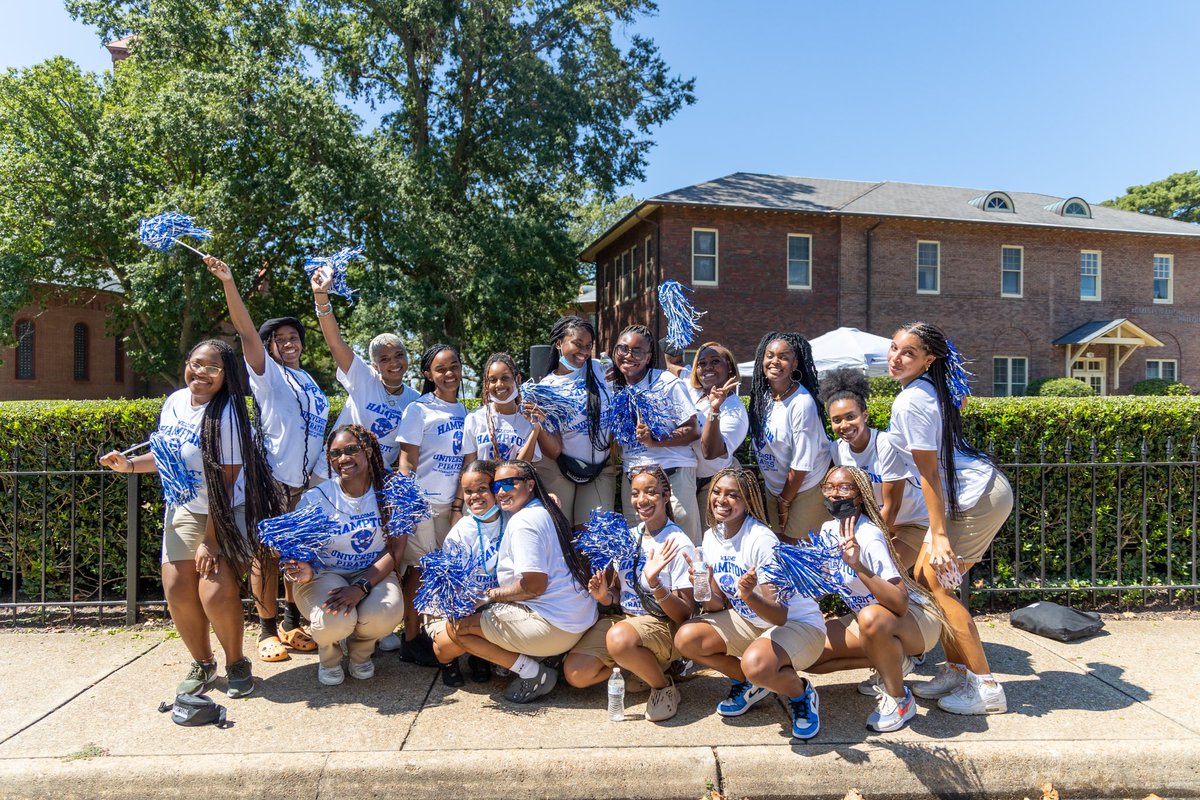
(616, 696)
(700, 587)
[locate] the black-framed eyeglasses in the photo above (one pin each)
(348, 450)
(630, 352)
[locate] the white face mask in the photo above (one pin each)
(487, 516)
(495, 398)
(569, 367)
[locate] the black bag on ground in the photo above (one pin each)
(192, 710)
(1056, 622)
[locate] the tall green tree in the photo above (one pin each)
(1174, 197)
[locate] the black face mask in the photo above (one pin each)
(842, 508)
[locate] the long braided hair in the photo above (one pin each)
(302, 400)
(561, 330)
(263, 500)
(581, 571)
(804, 374)
(379, 473)
(485, 402)
(866, 495)
(751, 492)
(935, 343)
(640, 330)
(432, 352)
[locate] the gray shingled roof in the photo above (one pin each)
(915, 200)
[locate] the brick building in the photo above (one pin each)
(1028, 285)
(63, 350)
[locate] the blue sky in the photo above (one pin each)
(1064, 98)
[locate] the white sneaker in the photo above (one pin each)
(975, 697)
(948, 679)
(331, 676)
(362, 671)
(873, 681)
(390, 643)
(891, 714)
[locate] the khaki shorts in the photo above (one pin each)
(971, 536)
(657, 635)
(927, 623)
(519, 629)
(807, 513)
(912, 536)
(183, 531)
(429, 535)
(577, 500)
(435, 627)
(802, 643)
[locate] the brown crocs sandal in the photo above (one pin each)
(272, 649)
(297, 639)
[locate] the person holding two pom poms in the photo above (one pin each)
(787, 429)
(968, 500)
(654, 593)
(294, 413)
(352, 592)
(218, 482)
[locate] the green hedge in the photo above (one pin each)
(1021, 433)
(1066, 387)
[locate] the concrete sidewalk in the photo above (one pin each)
(1113, 716)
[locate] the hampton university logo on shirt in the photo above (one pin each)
(727, 572)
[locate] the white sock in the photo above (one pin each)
(526, 667)
(988, 678)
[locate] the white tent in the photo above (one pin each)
(843, 347)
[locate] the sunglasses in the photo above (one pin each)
(506, 484)
(210, 370)
(348, 450)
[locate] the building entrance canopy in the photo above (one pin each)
(1122, 335)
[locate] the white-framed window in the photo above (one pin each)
(799, 261)
(633, 273)
(1010, 374)
(1089, 274)
(1164, 278)
(704, 256)
(1165, 368)
(648, 263)
(1012, 270)
(1076, 208)
(929, 267)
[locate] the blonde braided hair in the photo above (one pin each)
(747, 483)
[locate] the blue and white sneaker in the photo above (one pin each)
(891, 714)
(806, 717)
(742, 695)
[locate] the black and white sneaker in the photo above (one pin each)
(524, 690)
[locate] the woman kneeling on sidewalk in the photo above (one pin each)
(747, 632)
(655, 595)
(353, 593)
(541, 607)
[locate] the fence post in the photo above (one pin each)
(131, 548)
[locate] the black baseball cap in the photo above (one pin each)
(268, 328)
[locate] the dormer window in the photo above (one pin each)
(995, 201)
(1071, 207)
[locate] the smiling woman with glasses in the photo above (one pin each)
(540, 606)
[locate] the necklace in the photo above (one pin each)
(779, 396)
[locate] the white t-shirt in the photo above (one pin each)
(531, 544)
(734, 423)
(793, 438)
(359, 540)
(670, 394)
(576, 439)
(916, 424)
(179, 418)
(673, 577)
(483, 540)
(752, 546)
(293, 407)
(513, 431)
(373, 407)
(436, 427)
(883, 463)
(875, 556)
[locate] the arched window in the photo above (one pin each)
(1076, 208)
(25, 334)
(994, 201)
(81, 351)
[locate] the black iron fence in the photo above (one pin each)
(1096, 525)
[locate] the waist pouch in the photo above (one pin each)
(577, 470)
(193, 710)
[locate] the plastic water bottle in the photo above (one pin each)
(700, 586)
(616, 696)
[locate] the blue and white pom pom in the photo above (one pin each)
(682, 317)
(958, 380)
(407, 502)
(337, 265)
(628, 406)
(607, 540)
(806, 570)
(451, 583)
(180, 484)
(162, 232)
(301, 535)
(557, 409)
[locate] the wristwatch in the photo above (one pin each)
(364, 584)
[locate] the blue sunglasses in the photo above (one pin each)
(506, 484)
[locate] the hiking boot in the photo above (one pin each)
(239, 678)
(199, 677)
